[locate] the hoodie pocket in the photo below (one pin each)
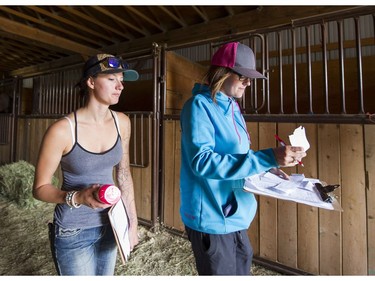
(231, 206)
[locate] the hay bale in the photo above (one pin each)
(16, 183)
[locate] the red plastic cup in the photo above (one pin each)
(108, 194)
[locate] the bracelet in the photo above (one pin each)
(69, 199)
(75, 205)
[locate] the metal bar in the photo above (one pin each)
(342, 65)
(309, 72)
(325, 67)
(61, 93)
(162, 68)
(254, 86)
(51, 86)
(359, 64)
(143, 136)
(255, 82)
(266, 84)
(134, 137)
(281, 72)
(42, 95)
(295, 91)
(156, 130)
(316, 118)
(14, 119)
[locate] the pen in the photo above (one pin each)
(283, 144)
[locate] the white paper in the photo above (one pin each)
(298, 189)
(119, 221)
(298, 138)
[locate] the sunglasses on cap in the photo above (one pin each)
(112, 62)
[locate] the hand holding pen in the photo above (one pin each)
(290, 152)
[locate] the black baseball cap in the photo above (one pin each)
(106, 63)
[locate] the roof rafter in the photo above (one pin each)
(81, 15)
(44, 23)
(71, 23)
(144, 17)
(44, 37)
(169, 13)
(117, 18)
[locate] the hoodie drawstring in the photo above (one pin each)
(243, 122)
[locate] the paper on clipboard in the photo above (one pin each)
(120, 225)
(298, 189)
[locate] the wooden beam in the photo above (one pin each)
(119, 19)
(69, 22)
(242, 23)
(42, 22)
(145, 17)
(169, 13)
(93, 20)
(44, 37)
(201, 13)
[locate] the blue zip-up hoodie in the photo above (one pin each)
(216, 158)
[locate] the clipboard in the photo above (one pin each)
(120, 225)
(298, 189)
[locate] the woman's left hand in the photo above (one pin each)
(133, 237)
(279, 173)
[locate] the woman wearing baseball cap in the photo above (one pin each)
(216, 158)
(88, 143)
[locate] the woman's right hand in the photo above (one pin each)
(87, 197)
(289, 156)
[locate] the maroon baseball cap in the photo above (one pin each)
(238, 57)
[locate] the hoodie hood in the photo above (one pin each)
(226, 104)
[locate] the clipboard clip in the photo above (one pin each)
(325, 190)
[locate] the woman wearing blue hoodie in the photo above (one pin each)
(216, 158)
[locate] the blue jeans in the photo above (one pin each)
(89, 251)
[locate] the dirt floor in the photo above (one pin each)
(25, 247)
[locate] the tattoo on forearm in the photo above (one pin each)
(125, 183)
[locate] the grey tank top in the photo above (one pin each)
(81, 169)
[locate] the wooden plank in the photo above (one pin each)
(307, 216)
(181, 76)
(32, 139)
(330, 221)
(146, 192)
(267, 206)
(169, 159)
(370, 196)
(147, 188)
(137, 182)
(5, 156)
(177, 222)
(354, 244)
(253, 231)
(287, 214)
(136, 96)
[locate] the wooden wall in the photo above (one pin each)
(307, 238)
(180, 78)
(314, 240)
(5, 153)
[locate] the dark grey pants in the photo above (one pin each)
(221, 254)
